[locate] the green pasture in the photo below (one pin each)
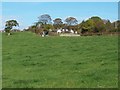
(31, 61)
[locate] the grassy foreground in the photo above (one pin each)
(0, 60)
(65, 62)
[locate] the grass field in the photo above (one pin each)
(0, 60)
(59, 62)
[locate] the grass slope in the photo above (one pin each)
(65, 62)
(0, 60)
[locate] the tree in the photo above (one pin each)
(57, 23)
(99, 25)
(92, 25)
(44, 23)
(9, 25)
(71, 21)
(116, 26)
(38, 24)
(32, 28)
(89, 24)
(48, 27)
(37, 27)
(109, 26)
(45, 19)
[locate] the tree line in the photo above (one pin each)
(94, 25)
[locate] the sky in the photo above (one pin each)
(27, 13)
(60, 0)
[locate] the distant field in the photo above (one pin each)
(59, 62)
